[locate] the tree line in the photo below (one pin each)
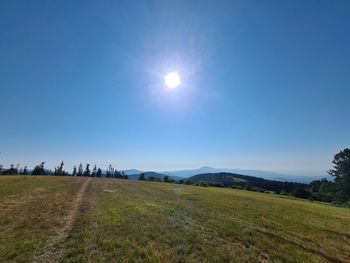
(79, 170)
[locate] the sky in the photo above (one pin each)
(264, 84)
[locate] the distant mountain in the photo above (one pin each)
(185, 173)
(150, 174)
(243, 181)
(131, 171)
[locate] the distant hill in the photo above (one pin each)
(132, 171)
(257, 173)
(150, 174)
(185, 173)
(244, 181)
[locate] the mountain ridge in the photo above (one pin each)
(186, 173)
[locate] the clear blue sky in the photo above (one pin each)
(266, 84)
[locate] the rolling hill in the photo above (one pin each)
(80, 219)
(185, 173)
(243, 181)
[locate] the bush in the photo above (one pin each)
(301, 193)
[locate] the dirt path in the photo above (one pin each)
(55, 249)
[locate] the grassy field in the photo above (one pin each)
(108, 220)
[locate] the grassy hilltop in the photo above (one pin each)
(102, 220)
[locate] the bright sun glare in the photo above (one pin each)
(172, 80)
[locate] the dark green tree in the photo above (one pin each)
(301, 192)
(123, 175)
(142, 177)
(25, 171)
(94, 171)
(39, 169)
(74, 171)
(108, 174)
(80, 170)
(59, 169)
(110, 171)
(99, 173)
(166, 178)
(325, 191)
(341, 171)
(12, 171)
(87, 170)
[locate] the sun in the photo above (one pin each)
(172, 80)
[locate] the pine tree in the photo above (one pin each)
(60, 169)
(74, 171)
(94, 171)
(341, 171)
(99, 172)
(110, 171)
(39, 169)
(25, 171)
(87, 170)
(117, 174)
(80, 170)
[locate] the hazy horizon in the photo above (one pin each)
(68, 166)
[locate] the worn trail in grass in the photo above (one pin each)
(31, 209)
(55, 248)
(132, 221)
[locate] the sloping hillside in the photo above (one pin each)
(70, 219)
(243, 181)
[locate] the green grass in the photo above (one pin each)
(30, 210)
(131, 221)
